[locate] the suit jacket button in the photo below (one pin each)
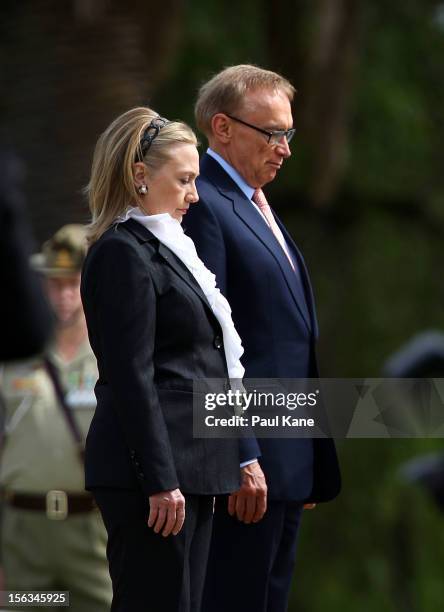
(217, 342)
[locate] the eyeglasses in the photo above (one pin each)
(275, 137)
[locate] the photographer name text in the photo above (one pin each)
(257, 421)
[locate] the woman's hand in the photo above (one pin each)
(167, 510)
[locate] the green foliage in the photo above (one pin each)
(397, 126)
(377, 282)
(214, 37)
(380, 545)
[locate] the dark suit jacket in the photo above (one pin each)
(274, 313)
(27, 320)
(153, 332)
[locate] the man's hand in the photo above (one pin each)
(167, 511)
(250, 502)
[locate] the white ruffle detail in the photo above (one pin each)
(170, 233)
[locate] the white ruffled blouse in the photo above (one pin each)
(170, 233)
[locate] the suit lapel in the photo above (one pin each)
(254, 221)
(305, 277)
(143, 234)
(180, 268)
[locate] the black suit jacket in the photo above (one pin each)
(153, 332)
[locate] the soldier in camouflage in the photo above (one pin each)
(53, 537)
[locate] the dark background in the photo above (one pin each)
(363, 195)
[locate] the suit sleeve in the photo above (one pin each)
(124, 303)
(204, 229)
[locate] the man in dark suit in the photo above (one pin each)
(245, 112)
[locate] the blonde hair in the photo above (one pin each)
(225, 92)
(111, 187)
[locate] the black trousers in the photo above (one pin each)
(149, 571)
(250, 566)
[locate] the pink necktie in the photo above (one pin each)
(261, 201)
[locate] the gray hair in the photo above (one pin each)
(225, 92)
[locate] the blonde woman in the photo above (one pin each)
(156, 321)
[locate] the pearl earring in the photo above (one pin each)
(143, 189)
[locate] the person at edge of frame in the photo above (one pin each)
(245, 113)
(53, 537)
(27, 319)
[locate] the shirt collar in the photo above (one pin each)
(84, 350)
(233, 174)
